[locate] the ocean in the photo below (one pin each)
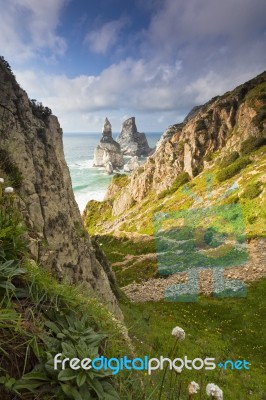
(88, 182)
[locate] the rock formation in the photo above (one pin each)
(222, 124)
(132, 164)
(132, 142)
(108, 153)
(32, 158)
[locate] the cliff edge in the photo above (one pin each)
(32, 157)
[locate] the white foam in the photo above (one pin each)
(82, 197)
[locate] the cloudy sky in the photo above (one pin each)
(154, 59)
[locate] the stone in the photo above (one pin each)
(109, 167)
(57, 240)
(132, 142)
(108, 150)
(132, 164)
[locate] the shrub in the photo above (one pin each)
(10, 168)
(201, 126)
(252, 144)
(252, 191)
(260, 117)
(197, 170)
(12, 244)
(233, 169)
(120, 180)
(229, 159)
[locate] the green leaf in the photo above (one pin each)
(81, 378)
(67, 375)
(109, 392)
(71, 392)
(54, 328)
(69, 350)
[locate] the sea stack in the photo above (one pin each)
(132, 142)
(108, 152)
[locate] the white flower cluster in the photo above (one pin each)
(179, 333)
(214, 391)
(8, 189)
(193, 388)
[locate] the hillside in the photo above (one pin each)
(198, 202)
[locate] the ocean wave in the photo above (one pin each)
(80, 187)
(82, 198)
(82, 164)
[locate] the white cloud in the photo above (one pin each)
(103, 39)
(28, 27)
(190, 52)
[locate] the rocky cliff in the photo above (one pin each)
(221, 125)
(32, 159)
(108, 153)
(132, 142)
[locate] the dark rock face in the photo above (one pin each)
(57, 240)
(132, 142)
(108, 150)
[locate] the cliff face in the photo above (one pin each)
(222, 125)
(31, 155)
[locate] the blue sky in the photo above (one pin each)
(152, 59)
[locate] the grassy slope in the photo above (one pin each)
(220, 328)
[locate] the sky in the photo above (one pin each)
(152, 59)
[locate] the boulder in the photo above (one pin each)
(132, 142)
(132, 164)
(108, 150)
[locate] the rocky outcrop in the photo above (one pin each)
(108, 150)
(132, 142)
(32, 158)
(132, 164)
(222, 125)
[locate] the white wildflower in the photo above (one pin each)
(178, 370)
(2, 180)
(193, 387)
(179, 333)
(214, 391)
(9, 189)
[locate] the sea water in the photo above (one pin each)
(88, 182)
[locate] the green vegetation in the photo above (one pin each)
(229, 159)
(121, 180)
(10, 169)
(181, 179)
(252, 190)
(40, 318)
(213, 328)
(233, 169)
(6, 65)
(201, 126)
(252, 144)
(126, 258)
(39, 110)
(95, 212)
